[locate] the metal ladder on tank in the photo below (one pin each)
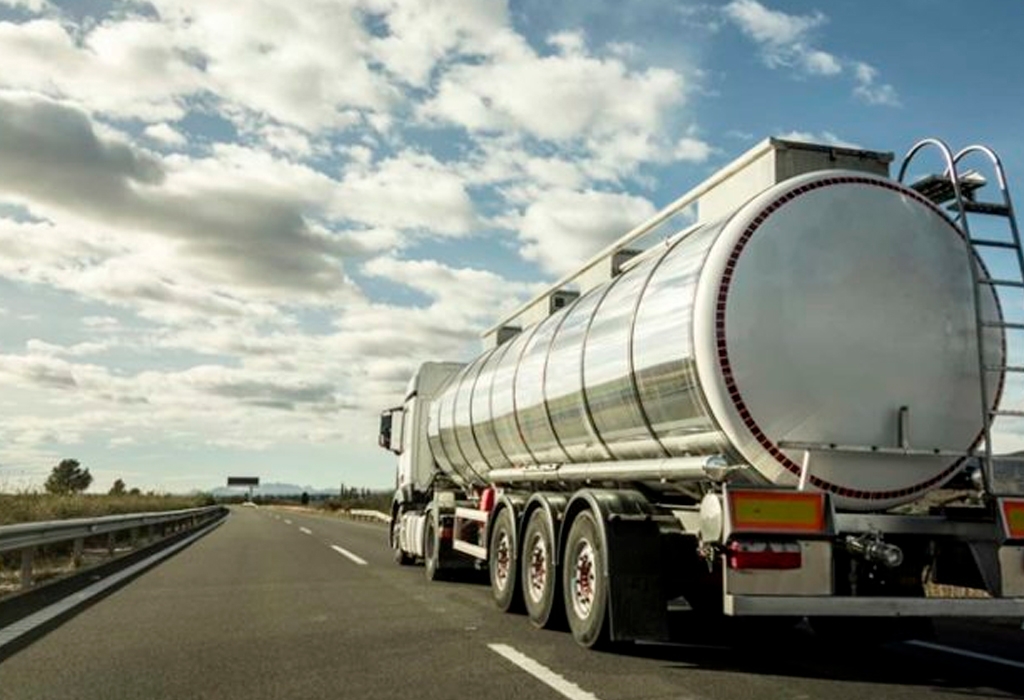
(952, 186)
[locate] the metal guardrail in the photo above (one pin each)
(27, 537)
(370, 515)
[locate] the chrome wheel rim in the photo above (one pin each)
(502, 561)
(538, 568)
(584, 580)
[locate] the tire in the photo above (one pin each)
(431, 549)
(400, 557)
(539, 579)
(584, 588)
(503, 562)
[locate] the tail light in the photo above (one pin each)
(759, 554)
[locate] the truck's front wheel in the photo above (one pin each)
(400, 556)
(432, 548)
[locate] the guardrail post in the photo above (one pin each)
(134, 537)
(76, 552)
(27, 555)
(151, 535)
(111, 543)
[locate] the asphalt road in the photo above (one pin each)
(265, 606)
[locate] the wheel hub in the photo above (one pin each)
(502, 561)
(583, 580)
(538, 568)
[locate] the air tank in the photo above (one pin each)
(816, 312)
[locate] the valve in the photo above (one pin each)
(873, 549)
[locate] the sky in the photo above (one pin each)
(230, 231)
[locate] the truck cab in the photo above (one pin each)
(403, 431)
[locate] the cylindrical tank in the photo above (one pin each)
(812, 313)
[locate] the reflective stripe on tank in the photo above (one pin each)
(723, 352)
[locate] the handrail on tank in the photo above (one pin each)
(947, 154)
(997, 164)
(954, 179)
(1004, 190)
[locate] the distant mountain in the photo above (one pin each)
(271, 489)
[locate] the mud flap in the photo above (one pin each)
(637, 593)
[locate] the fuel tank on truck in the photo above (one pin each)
(813, 312)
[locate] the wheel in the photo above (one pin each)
(431, 549)
(539, 578)
(502, 562)
(584, 589)
(400, 556)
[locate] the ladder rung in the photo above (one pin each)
(990, 208)
(1000, 283)
(1003, 324)
(1006, 412)
(993, 244)
(1004, 368)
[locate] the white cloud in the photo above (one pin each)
(252, 59)
(570, 95)
(826, 137)
(31, 5)
(202, 261)
(870, 92)
(818, 62)
(469, 294)
(420, 34)
(786, 43)
(165, 133)
(692, 150)
(235, 217)
(776, 29)
(287, 141)
(411, 190)
(127, 69)
(562, 228)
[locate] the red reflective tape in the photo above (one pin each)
(726, 368)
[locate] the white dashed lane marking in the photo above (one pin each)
(964, 652)
(345, 553)
(542, 673)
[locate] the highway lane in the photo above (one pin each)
(264, 609)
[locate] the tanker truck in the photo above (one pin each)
(753, 405)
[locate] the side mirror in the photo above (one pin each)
(390, 423)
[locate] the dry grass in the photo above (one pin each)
(32, 507)
(941, 590)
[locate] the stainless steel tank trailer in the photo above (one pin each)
(743, 406)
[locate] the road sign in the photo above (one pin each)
(243, 481)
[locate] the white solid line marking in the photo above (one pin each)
(287, 522)
(306, 530)
(345, 553)
(964, 652)
(542, 673)
(27, 624)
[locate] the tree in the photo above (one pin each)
(118, 489)
(68, 477)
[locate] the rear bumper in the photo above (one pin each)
(842, 606)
